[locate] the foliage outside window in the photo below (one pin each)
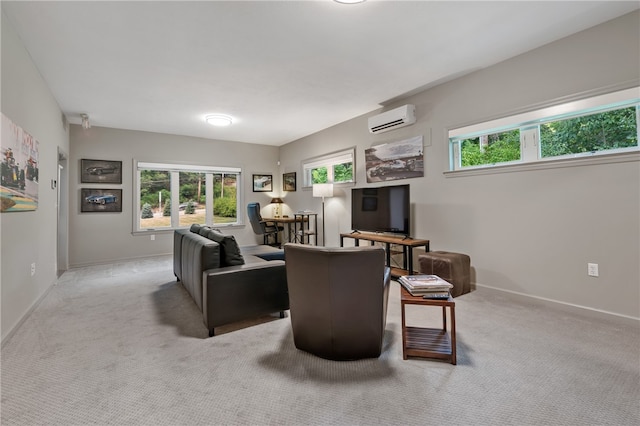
(590, 133)
(491, 149)
(174, 196)
(602, 124)
(192, 208)
(331, 168)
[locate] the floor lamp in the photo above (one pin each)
(323, 190)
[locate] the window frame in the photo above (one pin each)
(528, 122)
(175, 169)
(328, 161)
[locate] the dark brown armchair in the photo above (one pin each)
(338, 300)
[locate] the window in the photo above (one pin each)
(175, 196)
(599, 125)
(331, 168)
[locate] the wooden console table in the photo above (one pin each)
(407, 248)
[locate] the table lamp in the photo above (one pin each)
(276, 208)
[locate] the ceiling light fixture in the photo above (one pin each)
(349, 1)
(218, 120)
(85, 121)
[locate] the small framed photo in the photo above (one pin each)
(262, 183)
(100, 171)
(289, 181)
(100, 200)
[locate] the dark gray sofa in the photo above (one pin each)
(229, 283)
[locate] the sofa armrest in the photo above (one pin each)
(235, 293)
(177, 252)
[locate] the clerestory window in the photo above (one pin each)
(599, 125)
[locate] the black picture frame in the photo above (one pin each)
(262, 183)
(98, 200)
(289, 182)
(100, 171)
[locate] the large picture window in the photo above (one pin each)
(331, 168)
(599, 125)
(176, 196)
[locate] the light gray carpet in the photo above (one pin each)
(123, 344)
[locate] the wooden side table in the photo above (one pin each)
(429, 342)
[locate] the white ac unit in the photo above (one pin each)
(393, 119)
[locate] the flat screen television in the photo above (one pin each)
(381, 209)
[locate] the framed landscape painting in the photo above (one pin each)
(262, 183)
(100, 171)
(289, 181)
(100, 200)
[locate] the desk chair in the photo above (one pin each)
(262, 227)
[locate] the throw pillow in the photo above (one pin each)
(195, 228)
(230, 250)
(204, 231)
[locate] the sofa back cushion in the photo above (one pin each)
(198, 254)
(230, 255)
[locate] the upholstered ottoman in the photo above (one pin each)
(452, 267)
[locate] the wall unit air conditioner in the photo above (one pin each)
(393, 119)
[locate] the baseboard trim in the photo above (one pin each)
(578, 308)
(26, 315)
(126, 259)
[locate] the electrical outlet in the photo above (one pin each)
(33, 269)
(592, 269)
(153, 237)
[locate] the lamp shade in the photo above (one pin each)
(323, 190)
(276, 200)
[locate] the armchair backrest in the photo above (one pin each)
(253, 210)
(338, 299)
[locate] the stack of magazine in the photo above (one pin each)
(427, 286)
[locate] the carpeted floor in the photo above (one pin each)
(123, 344)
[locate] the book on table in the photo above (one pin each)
(437, 295)
(419, 285)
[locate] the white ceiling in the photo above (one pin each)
(281, 69)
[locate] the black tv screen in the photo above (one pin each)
(381, 209)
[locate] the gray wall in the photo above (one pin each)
(530, 232)
(29, 237)
(107, 237)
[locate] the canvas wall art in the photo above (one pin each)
(19, 168)
(395, 160)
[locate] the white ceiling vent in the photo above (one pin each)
(394, 119)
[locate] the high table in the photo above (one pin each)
(291, 223)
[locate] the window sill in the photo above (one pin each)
(170, 230)
(594, 159)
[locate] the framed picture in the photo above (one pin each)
(100, 200)
(289, 181)
(100, 171)
(262, 183)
